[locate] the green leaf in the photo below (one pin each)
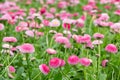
(102, 76)
(58, 76)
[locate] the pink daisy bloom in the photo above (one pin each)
(62, 40)
(62, 63)
(85, 61)
(73, 60)
(26, 48)
(51, 51)
(55, 62)
(98, 36)
(9, 39)
(11, 69)
(55, 23)
(84, 39)
(44, 69)
(104, 62)
(29, 33)
(111, 48)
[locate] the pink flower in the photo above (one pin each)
(85, 61)
(49, 15)
(11, 69)
(79, 23)
(50, 1)
(44, 69)
(73, 60)
(87, 8)
(52, 10)
(29, 33)
(9, 39)
(62, 4)
(62, 40)
(84, 39)
(26, 48)
(104, 62)
(111, 48)
(55, 23)
(45, 22)
(67, 45)
(117, 12)
(55, 62)
(98, 36)
(66, 26)
(104, 17)
(32, 11)
(1, 26)
(75, 2)
(51, 51)
(23, 24)
(42, 10)
(89, 45)
(115, 27)
(105, 1)
(62, 63)
(97, 42)
(58, 35)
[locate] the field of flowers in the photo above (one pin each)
(60, 40)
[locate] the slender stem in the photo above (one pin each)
(98, 62)
(8, 65)
(36, 76)
(65, 75)
(85, 74)
(28, 65)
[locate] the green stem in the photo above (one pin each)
(85, 74)
(98, 64)
(36, 76)
(28, 65)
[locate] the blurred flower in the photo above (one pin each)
(104, 62)
(62, 63)
(44, 69)
(85, 61)
(97, 42)
(8, 46)
(29, 33)
(73, 60)
(51, 51)
(98, 36)
(111, 48)
(62, 40)
(11, 69)
(55, 62)
(9, 39)
(26, 48)
(62, 4)
(55, 23)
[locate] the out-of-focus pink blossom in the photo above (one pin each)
(73, 60)
(85, 61)
(26, 48)
(11, 69)
(98, 36)
(111, 48)
(29, 33)
(55, 62)
(104, 62)
(51, 51)
(55, 23)
(44, 69)
(9, 39)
